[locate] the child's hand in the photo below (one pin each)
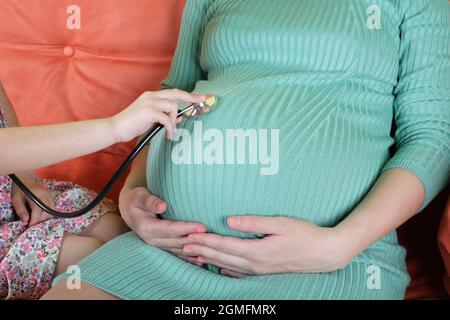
(34, 215)
(150, 108)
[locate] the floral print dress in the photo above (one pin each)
(28, 255)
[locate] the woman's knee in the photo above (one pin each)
(107, 227)
(73, 249)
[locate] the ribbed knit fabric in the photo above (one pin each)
(330, 77)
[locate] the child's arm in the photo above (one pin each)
(34, 147)
(27, 210)
(28, 148)
(11, 120)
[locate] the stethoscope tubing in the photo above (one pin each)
(114, 179)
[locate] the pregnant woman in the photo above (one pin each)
(330, 76)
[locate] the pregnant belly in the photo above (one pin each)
(264, 155)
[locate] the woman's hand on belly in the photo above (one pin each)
(141, 211)
(290, 246)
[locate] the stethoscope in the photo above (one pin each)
(193, 110)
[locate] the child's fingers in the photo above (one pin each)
(18, 203)
(170, 107)
(164, 105)
(165, 120)
(173, 118)
(180, 95)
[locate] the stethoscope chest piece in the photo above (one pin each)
(196, 110)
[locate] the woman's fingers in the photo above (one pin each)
(177, 252)
(142, 212)
(159, 228)
(222, 265)
(190, 260)
(233, 274)
(258, 224)
(218, 257)
(170, 243)
(141, 198)
(173, 246)
(138, 206)
(231, 245)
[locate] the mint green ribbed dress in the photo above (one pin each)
(330, 76)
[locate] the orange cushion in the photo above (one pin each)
(60, 62)
(444, 244)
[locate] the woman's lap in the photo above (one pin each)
(129, 269)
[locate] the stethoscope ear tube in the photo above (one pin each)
(119, 173)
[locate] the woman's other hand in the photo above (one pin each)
(142, 211)
(290, 246)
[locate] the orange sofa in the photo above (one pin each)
(64, 60)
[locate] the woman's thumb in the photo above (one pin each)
(154, 204)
